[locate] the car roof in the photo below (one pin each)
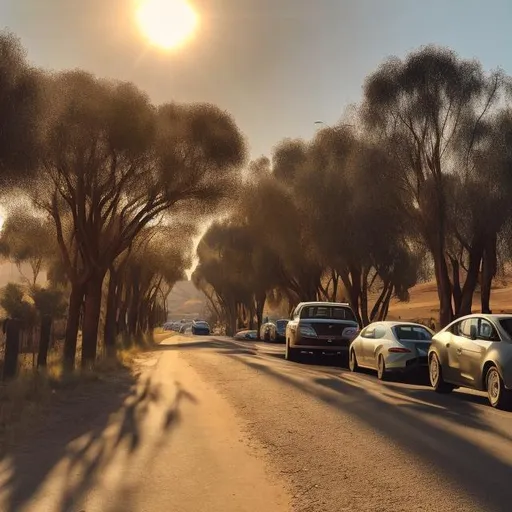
(394, 323)
(488, 316)
(320, 303)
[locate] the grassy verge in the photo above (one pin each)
(24, 399)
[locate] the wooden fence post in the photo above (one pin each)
(12, 348)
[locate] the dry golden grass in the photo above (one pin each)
(160, 335)
(424, 302)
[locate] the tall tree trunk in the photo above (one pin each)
(76, 301)
(142, 324)
(378, 303)
(435, 231)
(456, 288)
(260, 299)
(109, 333)
(355, 292)
(468, 290)
(252, 314)
(44, 341)
(364, 296)
(335, 281)
(125, 298)
(444, 289)
(385, 304)
(133, 311)
(92, 310)
(12, 329)
(231, 320)
(489, 269)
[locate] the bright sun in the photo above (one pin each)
(167, 23)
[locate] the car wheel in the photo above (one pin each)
(435, 371)
(352, 362)
(381, 368)
(288, 353)
(499, 396)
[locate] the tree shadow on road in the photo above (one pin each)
(419, 421)
(83, 435)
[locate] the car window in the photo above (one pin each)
(506, 324)
(327, 312)
(456, 329)
(486, 331)
(465, 327)
(380, 332)
(368, 332)
(412, 333)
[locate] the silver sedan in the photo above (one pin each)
(475, 352)
(390, 347)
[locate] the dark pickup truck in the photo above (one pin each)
(320, 327)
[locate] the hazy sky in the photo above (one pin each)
(276, 65)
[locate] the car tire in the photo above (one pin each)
(291, 354)
(381, 368)
(499, 397)
(352, 362)
(435, 373)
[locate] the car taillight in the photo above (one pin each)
(307, 330)
(399, 350)
(350, 332)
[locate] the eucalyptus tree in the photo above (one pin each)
(114, 163)
(20, 109)
(428, 109)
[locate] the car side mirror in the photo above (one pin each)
(473, 332)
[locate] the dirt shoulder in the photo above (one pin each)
(158, 439)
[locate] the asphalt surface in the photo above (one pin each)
(216, 425)
(341, 441)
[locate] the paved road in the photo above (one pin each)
(216, 425)
(343, 441)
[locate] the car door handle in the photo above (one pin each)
(459, 351)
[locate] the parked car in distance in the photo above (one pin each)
(390, 347)
(246, 335)
(185, 327)
(267, 331)
(280, 331)
(474, 351)
(320, 327)
(200, 328)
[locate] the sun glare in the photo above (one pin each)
(167, 23)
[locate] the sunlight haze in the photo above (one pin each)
(276, 66)
(167, 23)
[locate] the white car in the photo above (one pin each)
(390, 347)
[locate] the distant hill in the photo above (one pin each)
(186, 302)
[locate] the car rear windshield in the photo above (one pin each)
(412, 333)
(506, 323)
(328, 313)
